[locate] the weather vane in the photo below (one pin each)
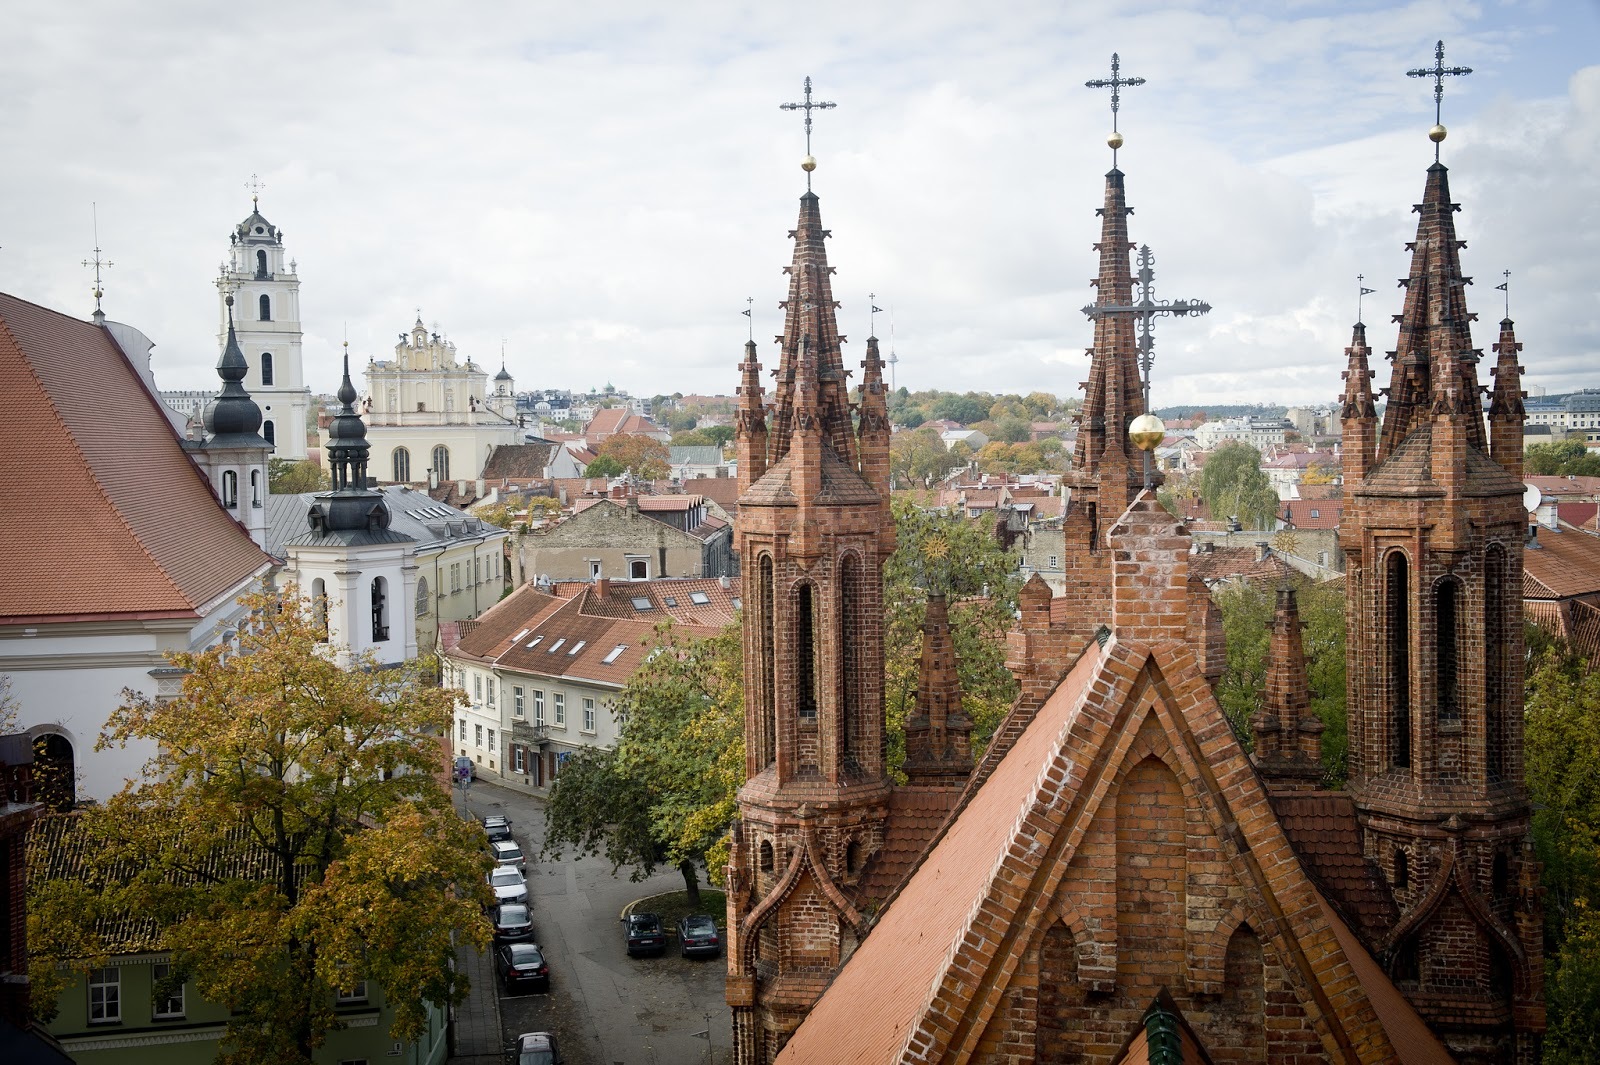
(1438, 72)
(872, 315)
(1115, 83)
(255, 185)
(97, 262)
(809, 163)
(750, 302)
(1363, 291)
(1505, 286)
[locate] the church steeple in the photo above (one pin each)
(1358, 416)
(1288, 735)
(1506, 410)
(938, 730)
(352, 506)
(233, 419)
(234, 453)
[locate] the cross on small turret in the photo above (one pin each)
(1115, 83)
(1438, 72)
(808, 106)
(97, 262)
(255, 185)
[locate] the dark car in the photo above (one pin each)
(512, 920)
(521, 964)
(697, 935)
(496, 828)
(534, 1048)
(645, 935)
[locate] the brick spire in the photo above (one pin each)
(809, 313)
(874, 433)
(1288, 735)
(751, 428)
(1112, 394)
(1506, 411)
(1359, 416)
(1434, 364)
(938, 732)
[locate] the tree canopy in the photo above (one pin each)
(1233, 485)
(642, 456)
(604, 466)
(290, 837)
(294, 476)
(1561, 458)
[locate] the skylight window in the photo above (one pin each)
(577, 647)
(642, 602)
(699, 598)
(614, 654)
(536, 641)
(553, 648)
(1315, 513)
(519, 635)
(669, 600)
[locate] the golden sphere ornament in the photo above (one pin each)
(1115, 140)
(1147, 432)
(1436, 134)
(809, 163)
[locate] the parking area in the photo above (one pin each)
(606, 1008)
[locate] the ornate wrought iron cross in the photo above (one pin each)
(1143, 311)
(97, 262)
(1115, 83)
(1438, 72)
(808, 106)
(255, 185)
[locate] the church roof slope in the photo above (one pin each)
(1566, 564)
(79, 420)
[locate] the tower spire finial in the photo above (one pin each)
(1361, 290)
(1115, 83)
(98, 263)
(1505, 286)
(749, 312)
(255, 185)
(1438, 72)
(809, 163)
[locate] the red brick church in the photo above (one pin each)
(1116, 879)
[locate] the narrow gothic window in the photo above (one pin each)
(380, 610)
(230, 489)
(255, 488)
(1445, 602)
(766, 856)
(266, 308)
(805, 651)
(1402, 870)
(441, 462)
(852, 856)
(269, 433)
(853, 670)
(319, 608)
(1398, 643)
(266, 367)
(261, 264)
(422, 597)
(1496, 661)
(769, 723)
(402, 465)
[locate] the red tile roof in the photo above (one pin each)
(1323, 828)
(1565, 564)
(1311, 513)
(723, 491)
(1566, 487)
(916, 813)
(130, 526)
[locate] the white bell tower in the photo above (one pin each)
(266, 292)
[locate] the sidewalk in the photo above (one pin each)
(477, 1020)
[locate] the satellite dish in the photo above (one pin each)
(1531, 497)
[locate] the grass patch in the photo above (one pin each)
(675, 904)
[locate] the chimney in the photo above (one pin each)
(1547, 514)
(483, 488)
(433, 479)
(602, 586)
(1263, 549)
(461, 488)
(724, 582)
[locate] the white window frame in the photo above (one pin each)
(477, 687)
(538, 708)
(477, 736)
(493, 684)
(519, 762)
(594, 570)
(491, 746)
(518, 702)
(588, 715)
(561, 709)
(463, 734)
(357, 994)
(160, 1005)
(105, 995)
(1052, 564)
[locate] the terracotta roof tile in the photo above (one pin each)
(78, 418)
(1566, 564)
(520, 462)
(916, 813)
(1236, 563)
(723, 491)
(1311, 513)
(1322, 827)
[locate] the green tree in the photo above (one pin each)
(965, 409)
(1561, 458)
(665, 794)
(918, 456)
(692, 438)
(642, 456)
(289, 837)
(1014, 430)
(605, 466)
(681, 421)
(1233, 485)
(1247, 612)
(293, 476)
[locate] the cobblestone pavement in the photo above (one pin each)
(606, 1008)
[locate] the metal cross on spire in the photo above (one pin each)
(1115, 83)
(1438, 72)
(808, 106)
(97, 262)
(749, 312)
(255, 185)
(1143, 310)
(1363, 290)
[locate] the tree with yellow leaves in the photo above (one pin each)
(292, 837)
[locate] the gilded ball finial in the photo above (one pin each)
(809, 163)
(1115, 140)
(1147, 432)
(1437, 133)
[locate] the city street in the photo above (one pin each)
(606, 1008)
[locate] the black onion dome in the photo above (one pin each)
(233, 419)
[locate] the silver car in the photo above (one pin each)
(506, 852)
(508, 885)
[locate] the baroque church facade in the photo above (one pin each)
(1117, 878)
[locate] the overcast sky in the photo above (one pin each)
(602, 185)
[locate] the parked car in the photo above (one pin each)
(463, 768)
(512, 921)
(645, 935)
(697, 935)
(497, 827)
(521, 963)
(534, 1048)
(508, 885)
(506, 852)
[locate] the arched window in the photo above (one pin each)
(55, 773)
(1402, 870)
(266, 308)
(768, 752)
(261, 264)
(319, 607)
(1446, 603)
(269, 432)
(402, 465)
(230, 489)
(255, 488)
(380, 610)
(441, 462)
(852, 857)
(852, 671)
(423, 603)
(805, 652)
(1497, 662)
(765, 859)
(1397, 642)
(266, 367)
